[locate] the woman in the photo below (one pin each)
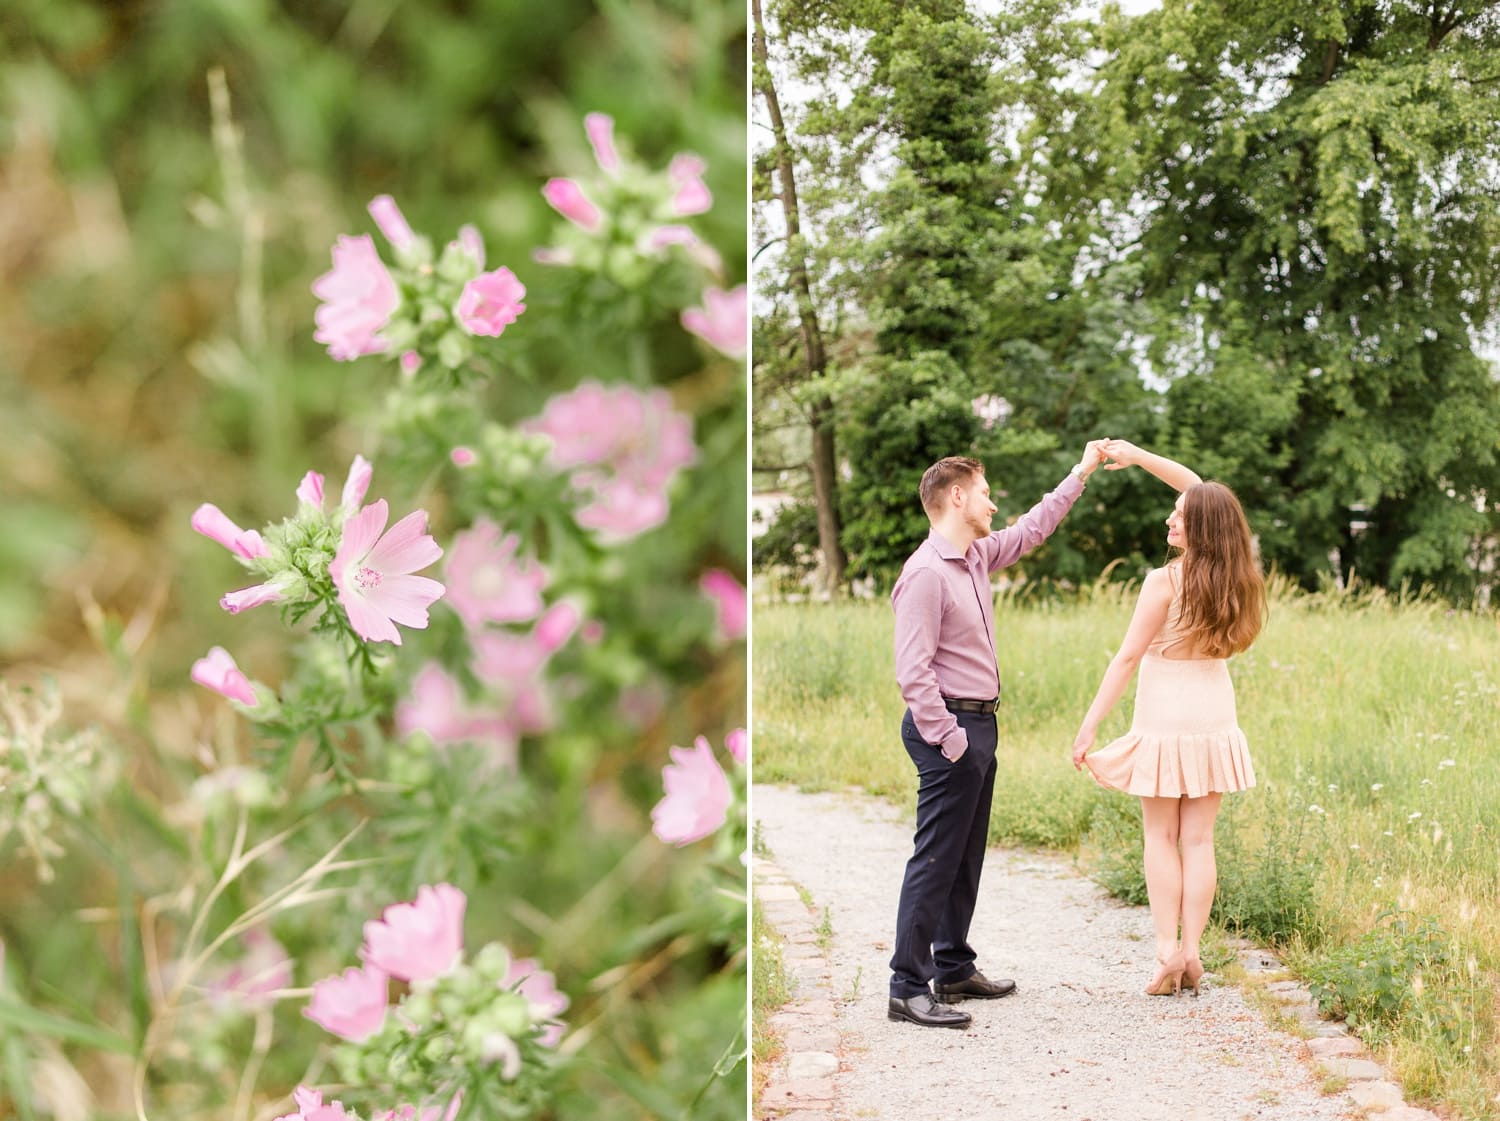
(1184, 750)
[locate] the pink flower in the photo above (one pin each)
(310, 490)
(212, 522)
(567, 198)
(632, 444)
(463, 457)
(540, 990)
(697, 795)
(420, 940)
(725, 323)
(738, 743)
(351, 1006)
(601, 131)
(512, 664)
(218, 672)
(411, 362)
(373, 573)
(490, 303)
(637, 433)
(256, 977)
(549, 256)
(431, 1113)
(659, 237)
(620, 509)
(392, 223)
(310, 1107)
(356, 485)
(472, 243)
(437, 706)
(488, 583)
(729, 596)
(358, 297)
(692, 197)
(257, 595)
(553, 629)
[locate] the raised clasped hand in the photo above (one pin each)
(1121, 454)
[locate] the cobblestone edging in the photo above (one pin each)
(803, 1087)
(1332, 1048)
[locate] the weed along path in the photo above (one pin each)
(1079, 1040)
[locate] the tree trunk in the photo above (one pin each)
(820, 410)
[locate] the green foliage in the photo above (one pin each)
(785, 543)
(1402, 963)
(900, 417)
(770, 988)
(1263, 241)
(1114, 850)
(1269, 865)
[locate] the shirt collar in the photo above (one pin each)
(945, 548)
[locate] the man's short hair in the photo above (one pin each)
(943, 474)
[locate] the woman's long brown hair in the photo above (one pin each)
(1223, 593)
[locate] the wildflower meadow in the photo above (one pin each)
(372, 669)
(1366, 852)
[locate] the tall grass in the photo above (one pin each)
(1371, 726)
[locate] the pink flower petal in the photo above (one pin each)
(392, 223)
(246, 598)
(601, 133)
(697, 795)
(368, 621)
(352, 1005)
(310, 490)
(420, 940)
(567, 198)
(356, 485)
(406, 547)
(405, 599)
(217, 671)
(360, 534)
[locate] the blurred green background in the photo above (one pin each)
(156, 330)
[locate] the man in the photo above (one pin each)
(945, 665)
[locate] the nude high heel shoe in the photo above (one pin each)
(1192, 973)
(1168, 979)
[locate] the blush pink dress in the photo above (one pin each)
(1185, 738)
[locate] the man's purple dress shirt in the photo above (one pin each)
(945, 619)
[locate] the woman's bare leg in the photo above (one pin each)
(1200, 874)
(1163, 870)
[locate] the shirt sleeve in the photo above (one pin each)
(1010, 544)
(918, 600)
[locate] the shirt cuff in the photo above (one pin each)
(955, 745)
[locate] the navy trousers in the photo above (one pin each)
(942, 877)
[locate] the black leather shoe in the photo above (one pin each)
(976, 987)
(922, 1009)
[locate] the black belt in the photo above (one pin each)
(963, 704)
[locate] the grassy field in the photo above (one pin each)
(1367, 852)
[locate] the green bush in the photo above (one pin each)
(1268, 871)
(1114, 849)
(1401, 966)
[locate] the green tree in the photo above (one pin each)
(1311, 192)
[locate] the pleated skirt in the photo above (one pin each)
(1185, 738)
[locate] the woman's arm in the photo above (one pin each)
(1125, 454)
(1150, 613)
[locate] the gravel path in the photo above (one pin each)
(1079, 1040)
